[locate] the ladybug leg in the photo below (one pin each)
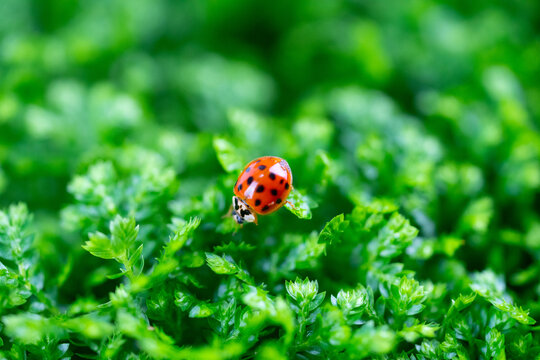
(291, 204)
(255, 216)
(229, 213)
(236, 229)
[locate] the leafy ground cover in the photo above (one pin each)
(412, 132)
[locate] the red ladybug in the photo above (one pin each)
(261, 188)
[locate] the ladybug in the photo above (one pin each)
(262, 188)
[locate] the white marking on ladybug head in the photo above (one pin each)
(241, 211)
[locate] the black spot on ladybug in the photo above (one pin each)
(244, 212)
(262, 167)
(278, 201)
(248, 169)
(281, 181)
(257, 202)
(274, 192)
(239, 187)
(236, 207)
(286, 185)
(260, 188)
(272, 176)
(265, 207)
(250, 180)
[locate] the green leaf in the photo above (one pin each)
(298, 204)
(515, 312)
(124, 232)
(220, 265)
(491, 287)
(153, 341)
(184, 300)
(352, 301)
(449, 245)
(15, 242)
(32, 328)
(118, 246)
(136, 261)
(333, 229)
(100, 245)
(228, 155)
(395, 236)
(463, 301)
(302, 291)
(317, 301)
(258, 299)
(477, 215)
(371, 340)
(414, 332)
(117, 275)
(406, 297)
(90, 326)
(13, 290)
(182, 231)
(200, 310)
(495, 345)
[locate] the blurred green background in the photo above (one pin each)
(79, 76)
(433, 106)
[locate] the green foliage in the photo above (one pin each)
(411, 128)
(121, 245)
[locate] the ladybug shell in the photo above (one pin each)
(264, 184)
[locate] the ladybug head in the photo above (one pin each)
(242, 212)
